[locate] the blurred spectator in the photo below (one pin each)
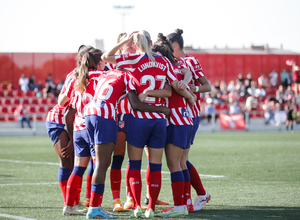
(32, 83)
(269, 109)
(289, 93)
(296, 80)
(249, 77)
(241, 88)
(285, 78)
(289, 109)
(240, 78)
(273, 78)
(209, 109)
(231, 86)
(60, 86)
(263, 82)
(235, 108)
(247, 86)
(20, 113)
(223, 86)
(23, 83)
(49, 89)
(253, 90)
(224, 96)
(251, 103)
(280, 94)
(217, 85)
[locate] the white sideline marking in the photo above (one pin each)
(15, 217)
(28, 184)
(57, 164)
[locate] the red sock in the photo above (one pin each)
(96, 199)
(77, 199)
(154, 188)
(115, 183)
(178, 193)
(72, 188)
(135, 183)
(148, 180)
(187, 193)
(88, 186)
(196, 181)
(63, 187)
(128, 192)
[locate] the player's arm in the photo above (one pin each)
(109, 56)
(69, 127)
(137, 105)
(159, 93)
(62, 99)
(204, 85)
(183, 84)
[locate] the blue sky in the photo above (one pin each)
(63, 25)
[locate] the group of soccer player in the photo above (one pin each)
(137, 92)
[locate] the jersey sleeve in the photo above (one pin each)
(195, 67)
(130, 85)
(171, 76)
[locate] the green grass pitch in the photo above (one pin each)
(249, 176)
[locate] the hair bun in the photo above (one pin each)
(179, 31)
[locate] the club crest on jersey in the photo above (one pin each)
(184, 112)
(121, 124)
(100, 104)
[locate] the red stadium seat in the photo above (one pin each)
(42, 113)
(34, 101)
(10, 94)
(29, 93)
(52, 101)
(16, 102)
(18, 93)
(31, 110)
(2, 94)
(43, 101)
(5, 110)
(4, 87)
(25, 101)
(7, 102)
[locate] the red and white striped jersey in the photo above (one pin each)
(147, 75)
(80, 100)
(179, 114)
(56, 114)
(197, 72)
(111, 88)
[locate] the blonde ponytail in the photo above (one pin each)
(143, 41)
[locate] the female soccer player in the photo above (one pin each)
(179, 125)
(58, 135)
(84, 92)
(201, 85)
(102, 130)
(149, 71)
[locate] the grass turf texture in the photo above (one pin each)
(261, 177)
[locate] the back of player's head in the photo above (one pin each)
(142, 40)
(164, 47)
(120, 37)
(176, 37)
(81, 51)
(89, 62)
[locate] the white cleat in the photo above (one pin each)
(200, 201)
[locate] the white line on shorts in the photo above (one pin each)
(15, 217)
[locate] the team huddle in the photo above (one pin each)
(141, 95)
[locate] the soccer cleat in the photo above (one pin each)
(86, 203)
(200, 201)
(98, 213)
(129, 204)
(190, 207)
(137, 213)
(118, 206)
(69, 210)
(172, 213)
(149, 214)
(158, 202)
(80, 208)
(167, 209)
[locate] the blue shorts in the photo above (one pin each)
(123, 121)
(54, 130)
(150, 132)
(101, 130)
(195, 128)
(179, 135)
(82, 146)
